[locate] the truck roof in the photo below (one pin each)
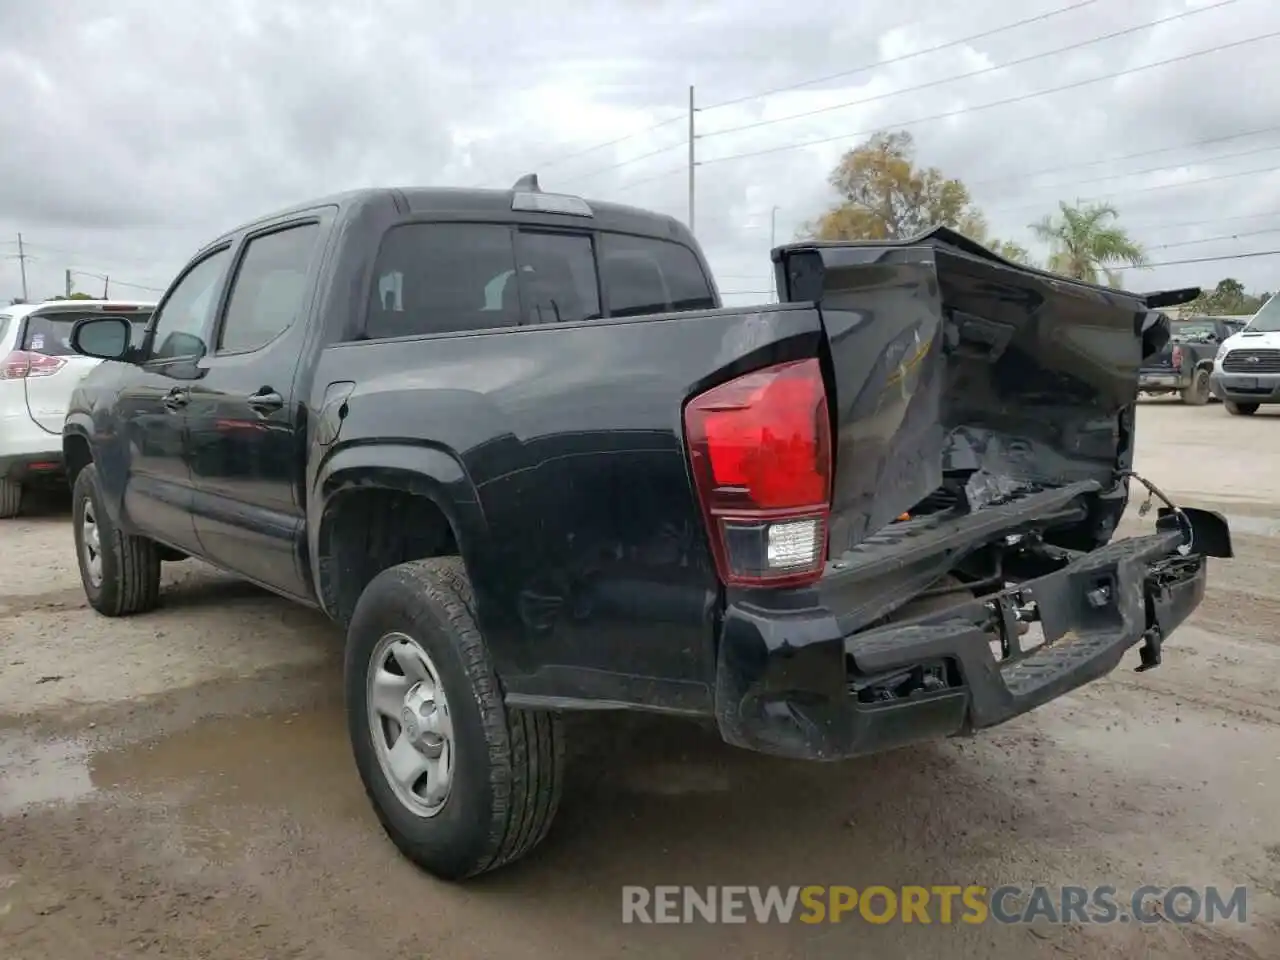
(451, 202)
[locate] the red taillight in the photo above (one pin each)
(1175, 358)
(21, 364)
(760, 449)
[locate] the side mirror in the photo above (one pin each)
(105, 338)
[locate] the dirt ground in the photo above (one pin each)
(179, 784)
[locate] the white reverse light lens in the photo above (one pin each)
(794, 543)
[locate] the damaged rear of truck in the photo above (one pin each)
(944, 520)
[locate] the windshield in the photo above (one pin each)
(1267, 320)
(1192, 329)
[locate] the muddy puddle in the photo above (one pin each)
(245, 763)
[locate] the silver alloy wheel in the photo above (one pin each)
(410, 724)
(91, 543)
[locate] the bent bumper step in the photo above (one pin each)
(799, 687)
(1092, 612)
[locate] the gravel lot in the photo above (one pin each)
(179, 784)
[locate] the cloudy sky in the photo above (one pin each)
(133, 131)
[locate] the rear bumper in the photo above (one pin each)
(33, 467)
(1156, 381)
(793, 685)
(1244, 388)
(26, 451)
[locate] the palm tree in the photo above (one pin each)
(1084, 243)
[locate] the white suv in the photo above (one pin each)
(38, 371)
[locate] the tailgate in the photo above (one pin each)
(954, 371)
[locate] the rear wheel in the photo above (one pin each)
(10, 499)
(120, 572)
(1197, 394)
(1240, 409)
(461, 783)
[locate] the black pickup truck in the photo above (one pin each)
(1185, 365)
(513, 443)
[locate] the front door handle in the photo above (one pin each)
(266, 400)
(177, 398)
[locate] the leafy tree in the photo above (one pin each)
(1012, 251)
(75, 295)
(883, 195)
(1085, 243)
(1226, 298)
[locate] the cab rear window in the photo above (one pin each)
(433, 278)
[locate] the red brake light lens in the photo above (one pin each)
(21, 364)
(1175, 357)
(760, 450)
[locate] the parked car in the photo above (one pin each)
(513, 443)
(37, 374)
(1185, 365)
(1246, 369)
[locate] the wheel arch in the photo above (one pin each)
(379, 505)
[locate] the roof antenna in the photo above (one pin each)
(527, 184)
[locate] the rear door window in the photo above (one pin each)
(443, 278)
(269, 289)
(644, 275)
(50, 333)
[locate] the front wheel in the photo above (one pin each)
(120, 572)
(1240, 409)
(461, 783)
(1197, 394)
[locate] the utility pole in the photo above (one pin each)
(22, 253)
(106, 286)
(68, 281)
(692, 160)
(773, 242)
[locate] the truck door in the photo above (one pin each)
(247, 447)
(151, 406)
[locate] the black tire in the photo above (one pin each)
(1197, 395)
(130, 578)
(1240, 409)
(508, 765)
(10, 499)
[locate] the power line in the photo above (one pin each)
(1201, 223)
(1118, 194)
(974, 73)
(1020, 178)
(962, 111)
(904, 57)
(935, 83)
(556, 161)
(1127, 156)
(1225, 236)
(1234, 256)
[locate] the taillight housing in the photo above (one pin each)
(22, 364)
(1175, 357)
(760, 452)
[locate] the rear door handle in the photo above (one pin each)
(177, 398)
(266, 401)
